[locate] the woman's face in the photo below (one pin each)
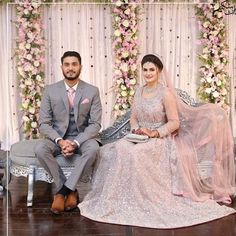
(150, 72)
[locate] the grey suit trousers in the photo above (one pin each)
(46, 150)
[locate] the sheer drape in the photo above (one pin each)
(231, 19)
(85, 28)
(170, 30)
(9, 128)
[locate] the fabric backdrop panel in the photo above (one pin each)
(231, 30)
(85, 28)
(170, 31)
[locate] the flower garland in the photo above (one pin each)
(125, 46)
(214, 81)
(30, 63)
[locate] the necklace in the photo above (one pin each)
(150, 90)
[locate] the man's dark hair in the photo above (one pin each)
(71, 54)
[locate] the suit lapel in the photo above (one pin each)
(78, 95)
(63, 93)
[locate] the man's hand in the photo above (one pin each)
(68, 147)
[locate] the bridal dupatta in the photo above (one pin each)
(204, 167)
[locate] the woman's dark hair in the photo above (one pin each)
(153, 59)
(71, 54)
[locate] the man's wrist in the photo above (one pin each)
(77, 143)
(57, 140)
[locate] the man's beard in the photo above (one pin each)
(76, 76)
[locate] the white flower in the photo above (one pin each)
(118, 3)
(123, 87)
(125, 54)
(29, 57)
(124, 67)
(133, 81)
(125, 23)
(116, 107)
(28, 82)
(117, 18)
(25, 105)
(219, 14)
(215, 94)
(26, 11)
(117, 33)
(32, 110)
(209, 79)
(131, 92)
(218, 82)
(124, 93)
(206, 24)
(33, 124)
(124, 106)
(36, 63)
(208, 90)
(38, 77)
(216, 6)
(25, 118)
(202, 80)
(28, 46)
(127, 11)
(30, 35)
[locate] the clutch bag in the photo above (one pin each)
(136, 138)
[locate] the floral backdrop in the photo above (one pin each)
(126, 16)
(125, 46)
(30, 64)
(214, 79)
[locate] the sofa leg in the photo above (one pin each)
(30, 186)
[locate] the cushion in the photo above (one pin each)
(22, 153)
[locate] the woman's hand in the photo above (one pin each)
(150, 133)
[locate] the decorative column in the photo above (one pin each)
(30, 63)
(125, 48)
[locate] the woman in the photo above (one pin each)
(175, 178)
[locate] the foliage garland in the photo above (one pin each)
(214, 79)
(126, 48)
(30, 63)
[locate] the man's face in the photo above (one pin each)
(71, 68)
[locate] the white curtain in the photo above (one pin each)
(85, 28)
(170, 31)
(9, 128)
(231, 32)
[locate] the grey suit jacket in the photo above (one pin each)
(54, 111)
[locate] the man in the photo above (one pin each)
(70, 122)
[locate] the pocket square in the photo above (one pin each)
(86, 100)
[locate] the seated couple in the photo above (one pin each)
(174, 179)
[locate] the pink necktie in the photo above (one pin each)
(71, 96)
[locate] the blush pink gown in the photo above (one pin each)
(167, 182)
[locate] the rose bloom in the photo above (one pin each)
(133, 81)
(116, 107)
(125, 23)
(131, 92)
(215, 94)
(33, 124)
(123, 87)
(25, 118)
(117, 33)
(124, 93)
(32, 110)
(208, 90)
